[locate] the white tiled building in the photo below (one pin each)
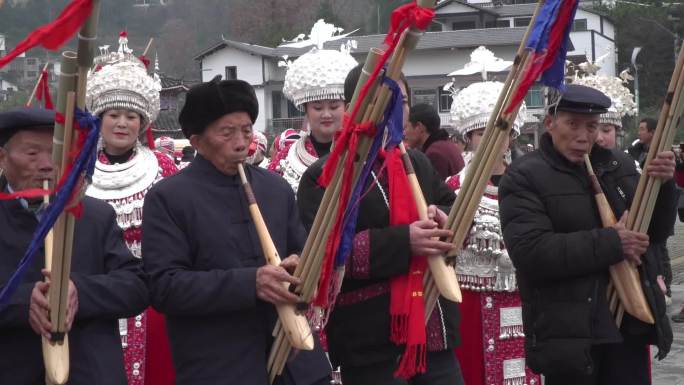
(458, 28)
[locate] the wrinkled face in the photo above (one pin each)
(225, 142)
(120, 130)
(606, 136)
(325, 118)
(27, 159)
(573, 134)
(645, 135)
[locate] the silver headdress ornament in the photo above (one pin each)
(482, 61)
(120, 80)
(320, 73)
(472, 105)
(622, 100)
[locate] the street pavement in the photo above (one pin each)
(670, 371)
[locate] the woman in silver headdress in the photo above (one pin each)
(492, 350)
(126, 98)
(314, 83)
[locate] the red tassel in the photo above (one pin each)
(150, 138)
(44, 90)
(413, 361)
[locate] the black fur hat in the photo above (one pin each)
(209, 101)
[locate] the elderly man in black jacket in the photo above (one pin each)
(207, 269)
(561, 252)
(107, 282)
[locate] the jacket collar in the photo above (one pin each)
(200, 165)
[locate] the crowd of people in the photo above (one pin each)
(169, 283)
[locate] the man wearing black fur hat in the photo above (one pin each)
(561, 251)
(106, 281)
(206, 266)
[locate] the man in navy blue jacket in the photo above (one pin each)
(107, 282)
(207, 270)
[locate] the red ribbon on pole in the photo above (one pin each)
(44, 90)
(53, 35)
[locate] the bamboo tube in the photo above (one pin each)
(329, 197)
(295, 326)
(314, 248)
(56, 349)
(35, 88)
(71, 93)
(498, 126)
(661, 122)
(381, 99)
(643, 203)
(624, 276)
(485, 160)
(147, 48)
(443, 276)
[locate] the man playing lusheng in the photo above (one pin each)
(106, 282)
(561, 251)
(207, 269)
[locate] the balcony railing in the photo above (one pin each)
(278, 125)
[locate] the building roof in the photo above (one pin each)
(169, 83)
(475, 7)
(510, 10)
(167, 124)
(249, 48)
(430, 40)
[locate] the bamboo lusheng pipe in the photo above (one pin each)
(35, 88)
(498, 128)
(443, 275)
(71, 93)
(380, 102)
(475, 182)
(325, 213)
(624, 276)
(294, 325)
(643, 203)
(310, 264)
(147, 48)
(56, 350)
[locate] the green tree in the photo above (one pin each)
(656, 60)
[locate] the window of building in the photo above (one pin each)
(535, 97)
(231, 73)
(505, 23)
(424, 95)
(445, 100)
(522, 21)
(31, 74)
(31, 61)
(277, 102)
(435, 27)
(461, 25)
(579, 25)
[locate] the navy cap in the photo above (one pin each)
(582, 100)
(24, 118)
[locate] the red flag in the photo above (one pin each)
(54, 34)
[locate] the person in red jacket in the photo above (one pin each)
(424, 134)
